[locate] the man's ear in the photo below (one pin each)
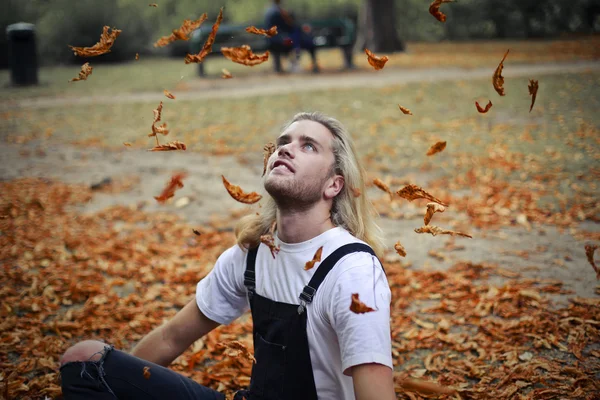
(334, 186)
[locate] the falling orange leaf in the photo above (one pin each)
(168, 94)
(207, 48)
(434, 230)
(238, 194)
(589, 252)
(432, 208)
(127, 144)
(183, 32)
(196, 232)
(533, 89)
(316, 258)
(382, 185)
(436, 148)
(244, 55)
(405, 110)
(86, 70)
(268, 151)
(498, 79)
(169, 146)
(400, 249)
(226, 74)
(272, 31)
(434, 9)
(355, 192)
(137, 56)
(358, 307)
(412, 192)
(269, 240)
(153, 5)
(484, 110)
(169, 190)
(375, 61)
(147, 372)
(103, 46)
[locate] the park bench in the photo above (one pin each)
(326, 33)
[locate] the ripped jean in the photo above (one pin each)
(118, 375)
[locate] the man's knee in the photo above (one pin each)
(87, 350)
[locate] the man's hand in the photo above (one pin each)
(373, 382)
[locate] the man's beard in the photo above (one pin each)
(293, 195)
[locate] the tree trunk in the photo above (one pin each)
(377, 27)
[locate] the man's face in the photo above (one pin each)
(300, 168)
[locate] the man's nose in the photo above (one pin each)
(286, 149)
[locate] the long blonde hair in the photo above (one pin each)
(355, 214)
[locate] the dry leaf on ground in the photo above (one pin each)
(239, 349)
(434, 230)
(589, 252)
(375, 61)
(169, 94)
(400, 249)
(169, 146)
(497, 78)
(436, 148)
(434, 9)
(103, 46)
(238, 194)
(431, 209)
(169, 190)
(358, 307)
(147, 372)
(316, 258)
(405, 110)
(86, 70)
(226, 74)
(268, 151)
(412, 192)
(533, 89)
(417, 385)
(381, 185)
(484, 110)
(272, 31)
(181, 33)
(244, 55)
(207, 48)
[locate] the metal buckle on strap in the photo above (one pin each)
(301, 307)
(249, 279)
(307, 294)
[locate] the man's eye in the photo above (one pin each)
(311, 146)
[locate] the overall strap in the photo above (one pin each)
(327, 265)
(249, 274)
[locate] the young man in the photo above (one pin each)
(307, 342)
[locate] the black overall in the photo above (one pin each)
(283, 370)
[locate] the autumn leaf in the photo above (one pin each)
(400, 249)
(434, 230)
(137, 56)
(196, 232)
(147, 372)
(169, 94)
(103, 46)
(86, 70)
(169, 146)
(268, 151)
(418, 385)
(153, 5)
(484, 110)
(207, 48)
(272, 31)
(376, 62)
(434, 9)
(238, 194)
(162, 129)
(269, 240)
(127, 144)
(533, 89)
(432, 208)
(355, 192)
(405, 110)
(589, 252)
(239, 349)
(226, 74)
(412, 192)
(381, 185)
(181, 33)
(169, 190)
(498, 79)
(244, 55)
(436, 148)
(316, 258)
(358, 307)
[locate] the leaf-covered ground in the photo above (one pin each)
(512, 313)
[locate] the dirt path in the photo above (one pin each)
(542, 252)
(262, 85)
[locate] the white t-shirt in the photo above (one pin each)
(338, 338)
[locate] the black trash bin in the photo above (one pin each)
(22, 54)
